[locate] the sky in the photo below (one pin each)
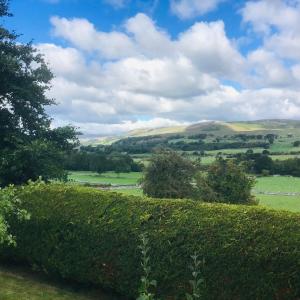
(120, 65)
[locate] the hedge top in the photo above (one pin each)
(92, 236)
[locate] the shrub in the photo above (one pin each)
(92, 236)
(225, 182)
(168, 175)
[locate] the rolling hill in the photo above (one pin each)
(217, 128)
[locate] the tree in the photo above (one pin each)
(296, 144)
(9, 206)
(29, 148)
(168, 175)
(225, 182)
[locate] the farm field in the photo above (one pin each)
(283, 184)
(290, 203)
(272, 184)
(17, 284)
(233, 151)
(131, 178)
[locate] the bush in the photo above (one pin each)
(92, 236)
(225, 182)
(168, 175)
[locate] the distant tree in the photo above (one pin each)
(263, 162)
(270, 137)
(296, 143)
(225, 182)
(168, 175)
(29, 148)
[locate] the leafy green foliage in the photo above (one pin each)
(197, 281)
(168, 175)
(25, 134)
(226, 182)
(92, 236)
(9, 206)
(146, 282)
(99, 161)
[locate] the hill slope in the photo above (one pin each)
(217, 128)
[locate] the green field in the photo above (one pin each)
(131, 178)
(17, 284)
(233, 151)
(272, 184)
(290, 203)
(284, 184)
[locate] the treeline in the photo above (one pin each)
(138, 145)
(263, 164)
(99, 161)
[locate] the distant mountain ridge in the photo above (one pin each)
(218, 128)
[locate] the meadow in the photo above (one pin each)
(112, 178)
(270, 191)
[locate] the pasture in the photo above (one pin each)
(112, 178)
(279, 202)
(271, 191)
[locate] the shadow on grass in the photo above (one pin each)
(19, 282)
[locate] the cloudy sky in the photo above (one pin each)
(126, 64)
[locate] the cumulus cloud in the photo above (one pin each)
(186, 9)
(279, 23)
(134, 80)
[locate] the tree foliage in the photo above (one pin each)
(168, 175)
(9, 207)
(225, 182)
(29, 148)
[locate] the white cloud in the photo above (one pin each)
(82, 34)
(279, 22)
(140, 80)
(186, 9)
(208, 47)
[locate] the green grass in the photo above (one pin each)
(233, 151)
(290, 203)
(17, 284)
(279, 184)
(282, 184)
(272, 184)
(284, 156)
(131, 178)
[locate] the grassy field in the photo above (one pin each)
(17, 284)
(283, 184)
(105, 178)
(272, 184)
(233, 151)
(290, 203)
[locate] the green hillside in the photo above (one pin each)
(217, 128)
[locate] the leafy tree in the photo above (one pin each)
(9, 206)
(168, 175)
(263, 162)
(296, 144)
(225, 182)
(29, 148)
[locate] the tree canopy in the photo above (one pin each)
(168, 175)
(226, 182)
(29, 148)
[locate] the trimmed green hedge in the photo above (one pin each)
(91, 236)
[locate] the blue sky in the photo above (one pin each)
(124, 64)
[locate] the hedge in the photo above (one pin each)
(91, 236)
